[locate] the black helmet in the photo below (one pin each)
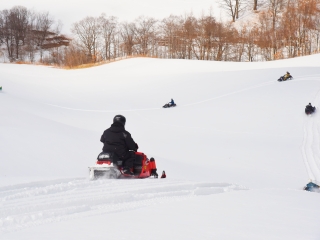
(119, 118)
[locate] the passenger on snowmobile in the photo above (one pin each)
(286, 76)
(170, 104)
(117, 140)
(309, 109)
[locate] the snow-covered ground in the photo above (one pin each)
(237, 150)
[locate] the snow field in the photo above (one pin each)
(35, 203)
(235, 128)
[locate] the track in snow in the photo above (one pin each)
(311, 144)
(159, 108)
(311, 140)
(26, 205)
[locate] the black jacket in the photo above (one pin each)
(116, 139)
(309, 108)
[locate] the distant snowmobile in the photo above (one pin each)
(168, 105)
(108, 165)
(309, 109)
(312, 187)
(285, 78)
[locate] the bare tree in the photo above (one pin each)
(255, 5)
(205, 37)
(41, 29)
(170, 35)
(128, 34)
(275, 8)
(267, 36)
(188, 36)
(15, 25)
(88, 32)
(109, 28)
(19, 22)
(145, 34)
(234, 8)
(7, 34)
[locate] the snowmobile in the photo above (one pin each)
(169, 105)
(282, 78)
(309, 110)
(109, 166)
(312, 187)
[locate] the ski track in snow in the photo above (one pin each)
(149, 109)
(33, 204)
(310, 78)
(311, 142)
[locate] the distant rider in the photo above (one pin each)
(286, 76)
(171, 102)
(309, 107)
(117, 140)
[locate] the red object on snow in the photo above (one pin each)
(146, 169)
(104, 162)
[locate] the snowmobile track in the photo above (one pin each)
(311, 143)
(26, 205)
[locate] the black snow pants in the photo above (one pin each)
(128, 159)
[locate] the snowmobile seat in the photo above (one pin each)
(109, 156)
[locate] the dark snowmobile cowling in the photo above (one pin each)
(108, 165)
(309, 110)
(168, 105)
(312, 187)
(282, 78)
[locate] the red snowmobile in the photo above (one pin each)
(108, 165)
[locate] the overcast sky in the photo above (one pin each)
(70, 11)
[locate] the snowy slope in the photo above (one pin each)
(237, 150)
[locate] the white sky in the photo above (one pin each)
(71, 11)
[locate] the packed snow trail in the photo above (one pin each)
(149, 109)
(26, 205)
(311, 142)
(311, 78)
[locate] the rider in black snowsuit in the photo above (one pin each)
(309, 108)
(286, 76)
(117, 140)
